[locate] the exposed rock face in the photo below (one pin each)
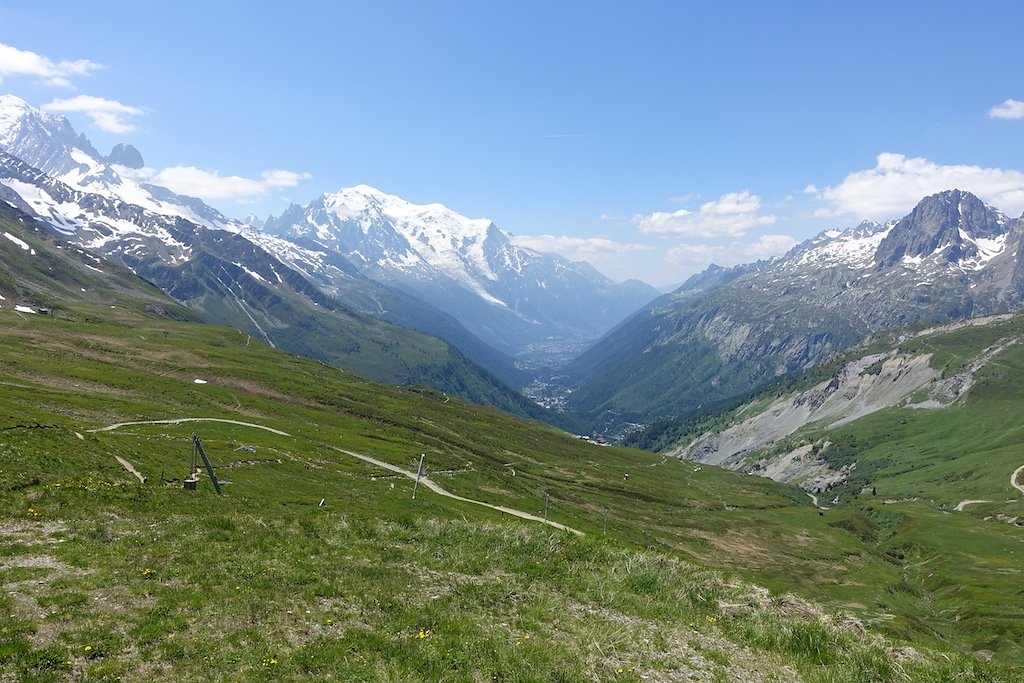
(850, 394)
(954, 221)
(125, 155)
(864, 386)
(715, 276)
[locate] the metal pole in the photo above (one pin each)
(206, 461)
(547, 498)
(419, 470)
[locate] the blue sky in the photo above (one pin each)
(649, 138)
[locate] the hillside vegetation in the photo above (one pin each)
(317, 564)
(916, 439)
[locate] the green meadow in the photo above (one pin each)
(315, 564)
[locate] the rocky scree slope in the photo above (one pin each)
(862, 386)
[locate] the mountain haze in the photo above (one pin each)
(424, 267)
(522, 302)
(689, 352)
(205, 260)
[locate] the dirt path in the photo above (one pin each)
(1013, 479)
(814, 500)
(379, 463)
(130, 468)
(187, 419)
(440, 491)
(1013, 482)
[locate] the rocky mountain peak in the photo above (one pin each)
(255, 221)
(865, 229)
(125, 155)
(44, 140)
(514, 298)
(952, 219)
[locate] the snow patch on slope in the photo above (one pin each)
(988, 249)
(20, 242)
(854, 248)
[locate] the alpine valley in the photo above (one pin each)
(524, 303)
(349, 523)
(360, 279)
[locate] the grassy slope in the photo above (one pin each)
(967, 564)
(961, 569)
(104, 577)
(688, 356)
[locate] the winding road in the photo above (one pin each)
(1013, 479)
(964, 503)
(1013, 482)
(448, 494)
(179, 420)
(366, 458)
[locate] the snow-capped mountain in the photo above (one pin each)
(49, 144)
(516, 299)
(233, 274)
(952, 257)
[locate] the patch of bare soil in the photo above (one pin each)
(675, 655)
(30, 532)
(25, 593)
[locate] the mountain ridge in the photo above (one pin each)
(688, 352)
(450, 276)
(514, 298)
(205, 259)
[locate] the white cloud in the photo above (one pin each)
(604, 254)
(211, 185)
(577, 248)
(15, 62)
(731, 215)
(1010, 109)
(110, 116)
(696, 257)
(897, 183)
